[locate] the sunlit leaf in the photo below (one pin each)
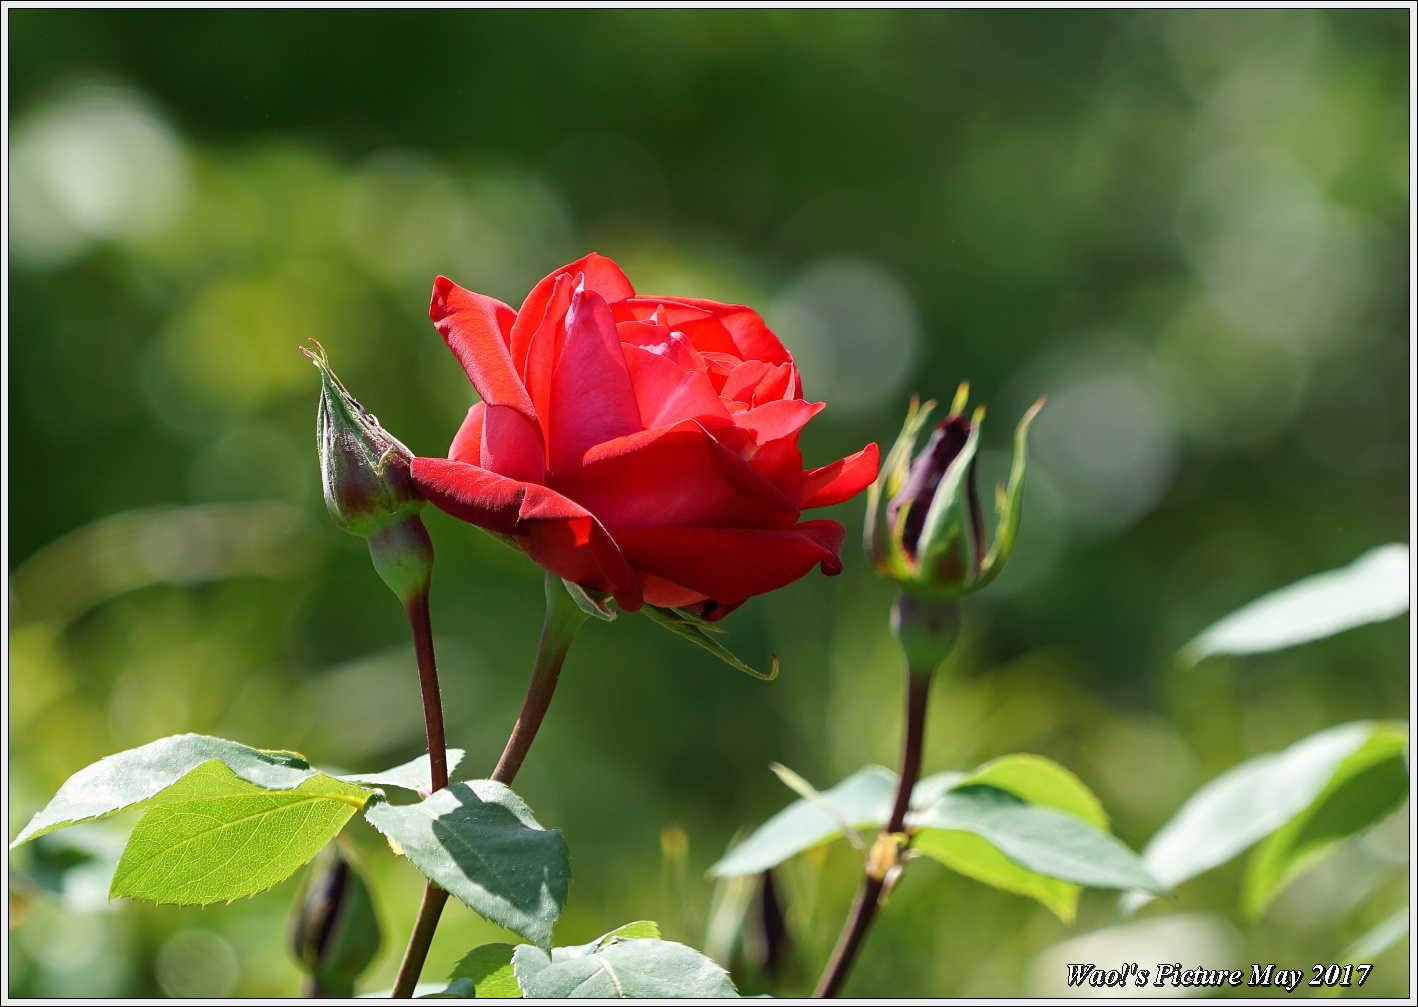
(621, 969)
(974, 857)
(479, 841)
(1037, 780)
(213, 837)
(1033, 779)
(1246, 803)
(415, 775)
(638, 929)
(1371, 589)
(862, 799)
(127, 779)
(483, 973)
(1040, 839)
(1367, 785)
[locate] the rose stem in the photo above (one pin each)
(563, 619)
(434, 897)
(918, 685)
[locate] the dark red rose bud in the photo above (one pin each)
(925, 526)
(947, 441)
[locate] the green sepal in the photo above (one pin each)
(697, 630)
(1009, 502)
(592, 603)
(895, 470)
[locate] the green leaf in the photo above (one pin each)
(128, 779)
(457, 989)
(479, 841)
(1245, 804)
(974, 857)
(808, 792)
(415, 775)
(638, 929)
(1368, 785)
(213, 837)
(486, 973)
(621, 968)
(1377, 940)
(930, 789)
(1371, 589)
(1037, 780)
(696, 630)
(1042, 840)
(862, 799)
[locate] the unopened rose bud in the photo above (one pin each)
(334, 931)
(925, 526)
(368, 489)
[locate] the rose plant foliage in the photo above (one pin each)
(645, 449)
(644, 446)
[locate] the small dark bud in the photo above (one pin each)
(947, 441)
(925, 526)
(334, 930)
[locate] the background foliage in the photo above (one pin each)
(1188, 228)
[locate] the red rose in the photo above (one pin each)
(645, 446)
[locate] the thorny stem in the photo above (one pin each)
(434, 898)
(874, 881)
(563, 619)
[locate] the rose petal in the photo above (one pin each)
(657, 339)
(777, 419)
(731, 564)
(839, 481)
(475, 328)
(512, 446)
(774, 385)
(699, 325)
(592, 399)
(661, 592)
(780, 461)
(745, 378)
(468, 441)
(559, 534)
(544, 348)
(665, 392)
(673, 475)
(752, 338)
(602, 275)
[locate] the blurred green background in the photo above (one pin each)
(1188, 228)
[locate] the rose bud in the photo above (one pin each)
(644, 446)
(929, 534)
(369, 491)
(334, 931)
